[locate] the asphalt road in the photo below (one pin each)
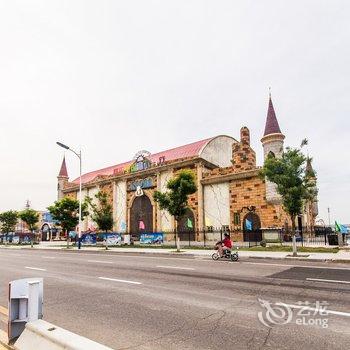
(138, 301)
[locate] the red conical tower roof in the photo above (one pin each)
(63, 171)
(271, 126)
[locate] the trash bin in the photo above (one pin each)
(332, 239)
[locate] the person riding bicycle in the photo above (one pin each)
(224, 245)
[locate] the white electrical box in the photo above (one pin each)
(25, 304)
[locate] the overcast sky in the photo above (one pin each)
(114, 77)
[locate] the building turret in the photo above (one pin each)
(62, 179)
(272, 142)
(243, 156)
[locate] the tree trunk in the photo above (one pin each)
(293, 236)
(106, 242)
(32, 239)
(177, 239)
(67, 234)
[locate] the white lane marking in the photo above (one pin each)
(330, 281)
(329, 312)
(290, 265)
(176, 267)
(34, 268)
(48, 257)
(100, 261)
(118, 280)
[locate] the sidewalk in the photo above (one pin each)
(341, 256)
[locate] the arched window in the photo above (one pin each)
(186, 226)
(251, 228)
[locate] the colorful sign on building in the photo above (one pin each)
(141, 183)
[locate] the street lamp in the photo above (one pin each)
(329, 216)
(79, 156)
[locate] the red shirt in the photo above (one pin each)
(227, 242)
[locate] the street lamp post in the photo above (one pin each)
(80, 200)
(329, 216)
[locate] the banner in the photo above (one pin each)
(24, 239)
(88, 239)
(113, 238)
(16, 239)
(248, 225)
(152, 238)
(189, 223)
(341, 228)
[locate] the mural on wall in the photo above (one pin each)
(216, 205)
(123, 226)
(119, 207)
(166, 220)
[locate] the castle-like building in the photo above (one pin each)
(230, 196)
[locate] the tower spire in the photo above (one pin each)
(63, 171)
(272, 143)
(271, 126)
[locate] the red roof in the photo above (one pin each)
(190, 150)
(271, 126)
(63, 171)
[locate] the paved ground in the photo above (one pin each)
(138, 301)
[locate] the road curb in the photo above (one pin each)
(111, 252)
(3, 341)
(42, 335)
(287, 258)
(184, 254)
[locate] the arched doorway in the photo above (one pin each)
(252, 227)
(46, 232)
(141, 216)
(186, 226)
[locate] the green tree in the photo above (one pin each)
(175, 199)
(66, 212)
(102, 211)
(8, 220)
(292, 181)
(30, 217)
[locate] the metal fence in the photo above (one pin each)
(207, 238)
